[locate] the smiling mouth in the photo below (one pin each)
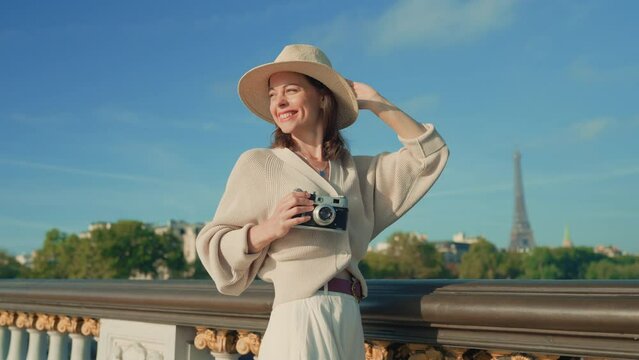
(286, 115)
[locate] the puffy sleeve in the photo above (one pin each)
(222, 243)
(395, 182)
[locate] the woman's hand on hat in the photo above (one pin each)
(367, 97)
(282, 220)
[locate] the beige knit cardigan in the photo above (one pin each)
(379, 190)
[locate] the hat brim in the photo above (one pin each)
(253, 88)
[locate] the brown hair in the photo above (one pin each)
(333, 145)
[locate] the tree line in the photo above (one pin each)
(128, 249)
(131, 249)
(409, 257)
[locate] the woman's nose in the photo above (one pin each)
(281, 101)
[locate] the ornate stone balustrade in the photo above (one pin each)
(402, 320)
(46, 336)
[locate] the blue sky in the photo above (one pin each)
(128, 110)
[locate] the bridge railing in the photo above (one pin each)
(403, 319)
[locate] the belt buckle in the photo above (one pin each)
(357, 296)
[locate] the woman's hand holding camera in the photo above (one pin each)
(282, 220)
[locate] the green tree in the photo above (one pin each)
(573, 262)
(559, 263)
(132, 248)
(408, 256)
(67, 257)
(88, 262)
(52, 260)
(197, 270)
(379, 265)
(624, 267)
(480, 262)
(172, 255)
(9, 267)
(128, 248)
(540, 264)
(509, 265)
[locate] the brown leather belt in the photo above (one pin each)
(351, 287)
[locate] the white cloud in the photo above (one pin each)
(225, 89)
(601, 175)
(77, 171)
(483, 189)
(40, 119)
(10, 221)
(419, 103)
(128, 117)
(439, 22)
(412, 23)
(583, 71)
(345, 31)
(590, 129)
(572, 134)
(614, 214)
(546, 180)
(119, 115)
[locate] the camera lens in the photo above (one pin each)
(323, 215)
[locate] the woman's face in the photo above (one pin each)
(294, 103)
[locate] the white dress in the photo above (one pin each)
(325, 326)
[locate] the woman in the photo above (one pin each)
(260, 224)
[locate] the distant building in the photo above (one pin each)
(567, 243)
(384, 245)
(379, 247)
(609, 251)
(26, 259)
(461, 237)
(94, 226)
(453, 250)
(185, 231)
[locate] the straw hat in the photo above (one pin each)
(305, 59)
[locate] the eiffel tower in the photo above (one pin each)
(521, 235)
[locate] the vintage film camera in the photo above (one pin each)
(330, 213)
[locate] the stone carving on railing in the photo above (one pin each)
(217, 341)
(135, 351)
(423, 351)
(221, 341)
(7, 318)
(90, 327)
(383, 350)
(45, 322)
(25, 320)
(68, 324)
(245, 342)
(376, 350)
(80, 341)
(248, 342)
